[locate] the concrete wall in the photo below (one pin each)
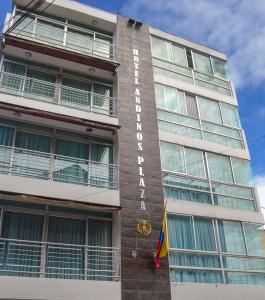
(57, 289)
(59, 190)
(212, 211)
(59, 109)
(217, 292)
(195, 89)
(203, 145)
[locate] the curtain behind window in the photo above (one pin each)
(180, 232)
(100, 171)
(204, 234)
(31, 163)
(71, 163)
(68, 256)
(231, 237)
(12, 80)
(23, 255)
(76, 93)
(172, 157)
(220, 167)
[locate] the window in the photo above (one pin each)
(186, 232)
(220, 167)
(179, 55)
(242, 171)
(202, 63)
(231, 237)
(219, 67)
(230, 115)
(209, 110)
(161, 48)
(180, 232)
(176, 158)
(172, 157)
(188, 236)
(255, 239)
(71, 249)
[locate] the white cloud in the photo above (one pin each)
(236, 27)
(260, 184)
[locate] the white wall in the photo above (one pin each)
(57, 289)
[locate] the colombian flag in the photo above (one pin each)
(162, 245)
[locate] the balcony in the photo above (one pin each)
(58, 168)
(66, 36)
(58, 94)
(184, 125)
(177, 72)
(25, 258)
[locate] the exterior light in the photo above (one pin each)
(91, 70)
(94, 22)
(16, 114)
(138, 24)
(28, 54)
(131, 22)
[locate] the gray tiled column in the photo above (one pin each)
(139, 279)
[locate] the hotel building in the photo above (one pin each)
(104, 122)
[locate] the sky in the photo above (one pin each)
(236, 27)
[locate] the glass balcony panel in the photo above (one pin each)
(244, 263)
(196, 276)
(223, 140)
(218, 129)
(237, 203)
(178, 129)
(183, 259)
(233, 190)
(244, 278)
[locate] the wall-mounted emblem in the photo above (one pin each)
(144, 227)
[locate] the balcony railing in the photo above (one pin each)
(66, 36)
(50, 166)
(53, 260)
(57, 94)
(174, 71)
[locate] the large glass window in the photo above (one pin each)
(255, 239)
(172, 157)
(188, 236)
(242, 171)
(202, 63)
(220, 167)
(209, 110)
(185, 232)
(230, 115)
(53, 245)
(231, 237)
(161, 48)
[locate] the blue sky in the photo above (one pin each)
(236, 27)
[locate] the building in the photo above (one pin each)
(104, 121)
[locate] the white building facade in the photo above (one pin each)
(104, 121)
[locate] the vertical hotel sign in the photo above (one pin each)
(139, 134)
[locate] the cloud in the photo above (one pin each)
(236, 27)
(260, 184)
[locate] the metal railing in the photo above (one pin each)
(56, 260)
(50, 166)
(174, 71)
(66, 36)
(57, 94)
